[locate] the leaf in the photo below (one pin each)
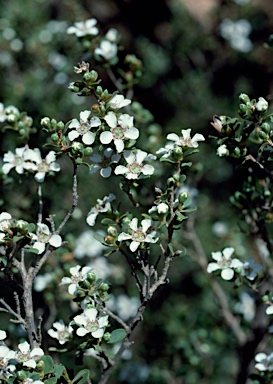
(82, 376)
(32, 250)
(52, 380)
(117, 335)
(48, 362)
(59, 369)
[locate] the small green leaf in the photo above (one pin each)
(52, 380)
(82, 376)
(117, 335)
(32, 250)
(48, 362)
(59, 369)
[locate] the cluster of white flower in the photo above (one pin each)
(138, 235)
(225, 263)
(237, 34)
(24, 355)
(26, 159)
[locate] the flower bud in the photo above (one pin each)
(40, 366)
(244, 98)
(265, 127)
(94, 75)
(53, 123)
(109, 239)
(95, 108)
(60, 125)
(182, 197)
(88, 151)
(73, 88)
(237, 151)
(262, 135)
(107, 336)
(22, 132)
(99, 90)
(261, 105)
(112, 230)
(45, 122)
(86, 284)
(104, 287)
(243, 108)
(54, 137)
(91, 276)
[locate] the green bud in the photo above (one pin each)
(22, 132)
(237, 151)
(86, 284)
(265, 298)
(79, 293)
(262, 135)
(244, 98)
(99, 90)
(104, 287)
(77, 147)
(88, 151)
(91, 276)
(60, 125)
(267, 193)
(88, 77)
(177, 152)
(21, 124)
(182, 197)
(21, 375)
(107, 336)
(53, 123)
(243, 108)
(105, 94)
(40, 366)
(265, 127)
(54, 137)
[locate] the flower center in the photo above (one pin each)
(135, 168)
(23, 356)
(118, 132)
(84, 128)
(138, 236)
(43, 238)
(18, 160)
(92, 326)
(224, 263)
(187, 142)
(64, 335)
(43, 167)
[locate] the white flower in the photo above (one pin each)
(77, 274)
(185, 140)
(83, 28)
(26, 356)
(87, 245)
(134, 167)
(246, 306)
(3, 335)
(107, 50)
(101, 267)
(2, 113)
(117, 102)
(269, 310)
(166, 151)
(261, 105)
(224, 263)
(5, 356)
(222, 150)
(237, 33)
(264, 362)
(102, 206)
(43, 237)
(42, 166)
(62, 333)
(121, 129)
(90, 324)
(219, 229)
(138, 234)
(103, 162)
(251, 269)
(82, 128)
(17, 160)
(112, 35)
(160, 208)
(127, 306)
(41, 281)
